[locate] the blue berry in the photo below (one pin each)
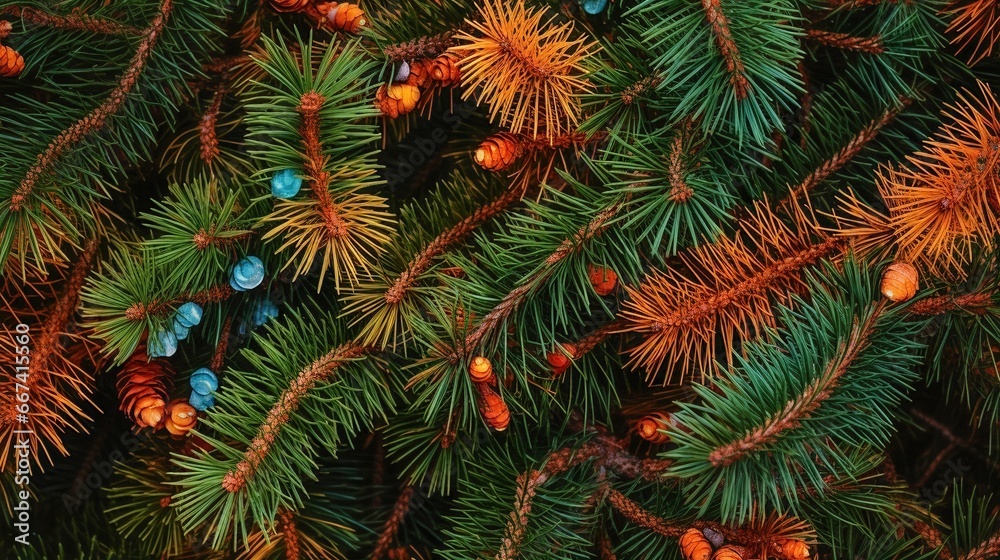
(285, 184)
(247, 274)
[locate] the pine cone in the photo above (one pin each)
(494, 410)
(344, 16)
(499, 151)
(11, 62)
(445, 71)
(420, 73)
(396, 99)
(289, 5)
(142, 388)
(181, 417)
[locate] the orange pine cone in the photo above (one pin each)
(394, 100)
(728, 552)
(142, 389)
(494, 410)
(420, 73)
(561, 359)
(603, 279)
(181, 417)
(792, 549)
(445, 71)
(651, 428)
(694, 545)
(481, 371)
(499, 151)
(289, 5)
(899, 281)
(11, 62)
(344, 16)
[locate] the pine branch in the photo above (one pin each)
(727, 47)
(870, 45)
(208, 137)
(289, 532)
(518, 295)
(75, 21)
(423, 260)
(283, 408)
(99, 116)
(807, 402)
(975, 303)
(391, 529)
(989, 548)
(139, 311)
(309, 108)
(842, 157)
(52, 379)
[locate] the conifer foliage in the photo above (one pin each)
(510, 279)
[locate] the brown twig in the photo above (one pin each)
(286, 522)
(975, 302)
(219, 356)
(208, 134)
(215, 294)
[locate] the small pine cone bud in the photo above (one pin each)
(729, 552)
(142, 389)
(289, 5)
(694, 545)
(11, 62)
(481, 371)
(394, 100)
(445, 71)
(181, 417)
(561, 359)
(420, 73)
(494, 410)
(899, 282)
(344, 16)
(499, 151)
(604, 280)
(791, 549)
(652, 428)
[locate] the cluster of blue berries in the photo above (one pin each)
(187, 316)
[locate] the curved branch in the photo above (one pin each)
(99, 116)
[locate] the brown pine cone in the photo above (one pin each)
(142, 389)
(499, 151)
(445, 71)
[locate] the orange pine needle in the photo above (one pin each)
(726, 293)
(942, 204)
(529, 72)
(975, 27)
